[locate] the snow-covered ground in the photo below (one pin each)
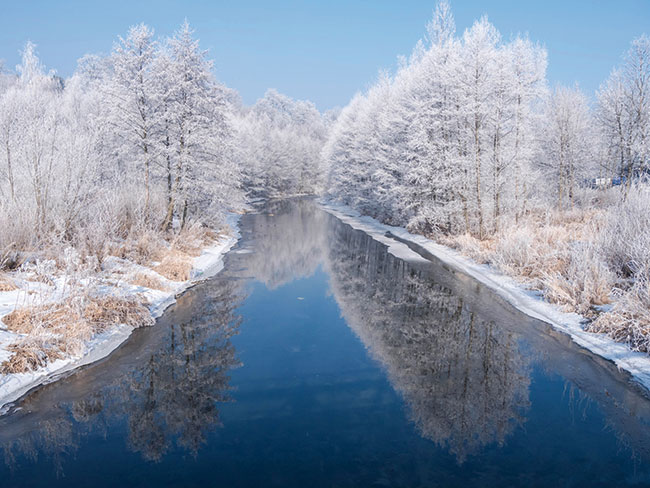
(637, 364)
(13, 386)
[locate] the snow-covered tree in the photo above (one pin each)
(197, 113)
(278, 143)
(623, 113)
(133, 105)
(566, 138)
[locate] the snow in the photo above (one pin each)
(528, 302)
(13, 386)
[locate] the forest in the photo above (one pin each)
(141, 155)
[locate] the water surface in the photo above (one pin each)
(316, 358)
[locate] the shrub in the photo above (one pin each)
(175, 266)
(625, 239)
(148, 281)
(585, 282)
(629, 319)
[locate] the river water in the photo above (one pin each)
(316, 358)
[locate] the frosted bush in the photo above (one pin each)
(629, 319)
(514, 251)
(625, 240)
(584, 283)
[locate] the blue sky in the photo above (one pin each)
(322, 51)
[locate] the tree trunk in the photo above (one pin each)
(10, 174)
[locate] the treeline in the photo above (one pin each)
(466, 134)
(279, 142)
(145, 139)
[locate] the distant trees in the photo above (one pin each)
(567, 135)
(279, 141)
(46, 141)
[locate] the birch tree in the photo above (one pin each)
(133, 104)
(566, 143)
(197, 111)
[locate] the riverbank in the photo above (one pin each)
(87, 313)
(412, 246)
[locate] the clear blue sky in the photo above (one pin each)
(322, 51)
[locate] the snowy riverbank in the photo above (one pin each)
(528, 302)
(207, 264)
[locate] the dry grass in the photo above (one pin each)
(55, 318)
(6, 283)
(101, 313)
(175, 266)
(143, 250)
(551, 252)
(173, 252)
(476, 249)
(28, 355)
(62, 329)
(20, 320)
(584, 284)
(147, 281)
(193, 238)
(176, 263)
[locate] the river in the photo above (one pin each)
(317, 358)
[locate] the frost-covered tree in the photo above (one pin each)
(132, 108)
(279, 142)
(196, 115)
(566, 142)
(30, 131)
(478, 78)
(623, 112)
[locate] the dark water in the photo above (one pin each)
(316, 359)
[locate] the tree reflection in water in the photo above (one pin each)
(169, 398)
(463, 377)
(289, 236)
(177, 393)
